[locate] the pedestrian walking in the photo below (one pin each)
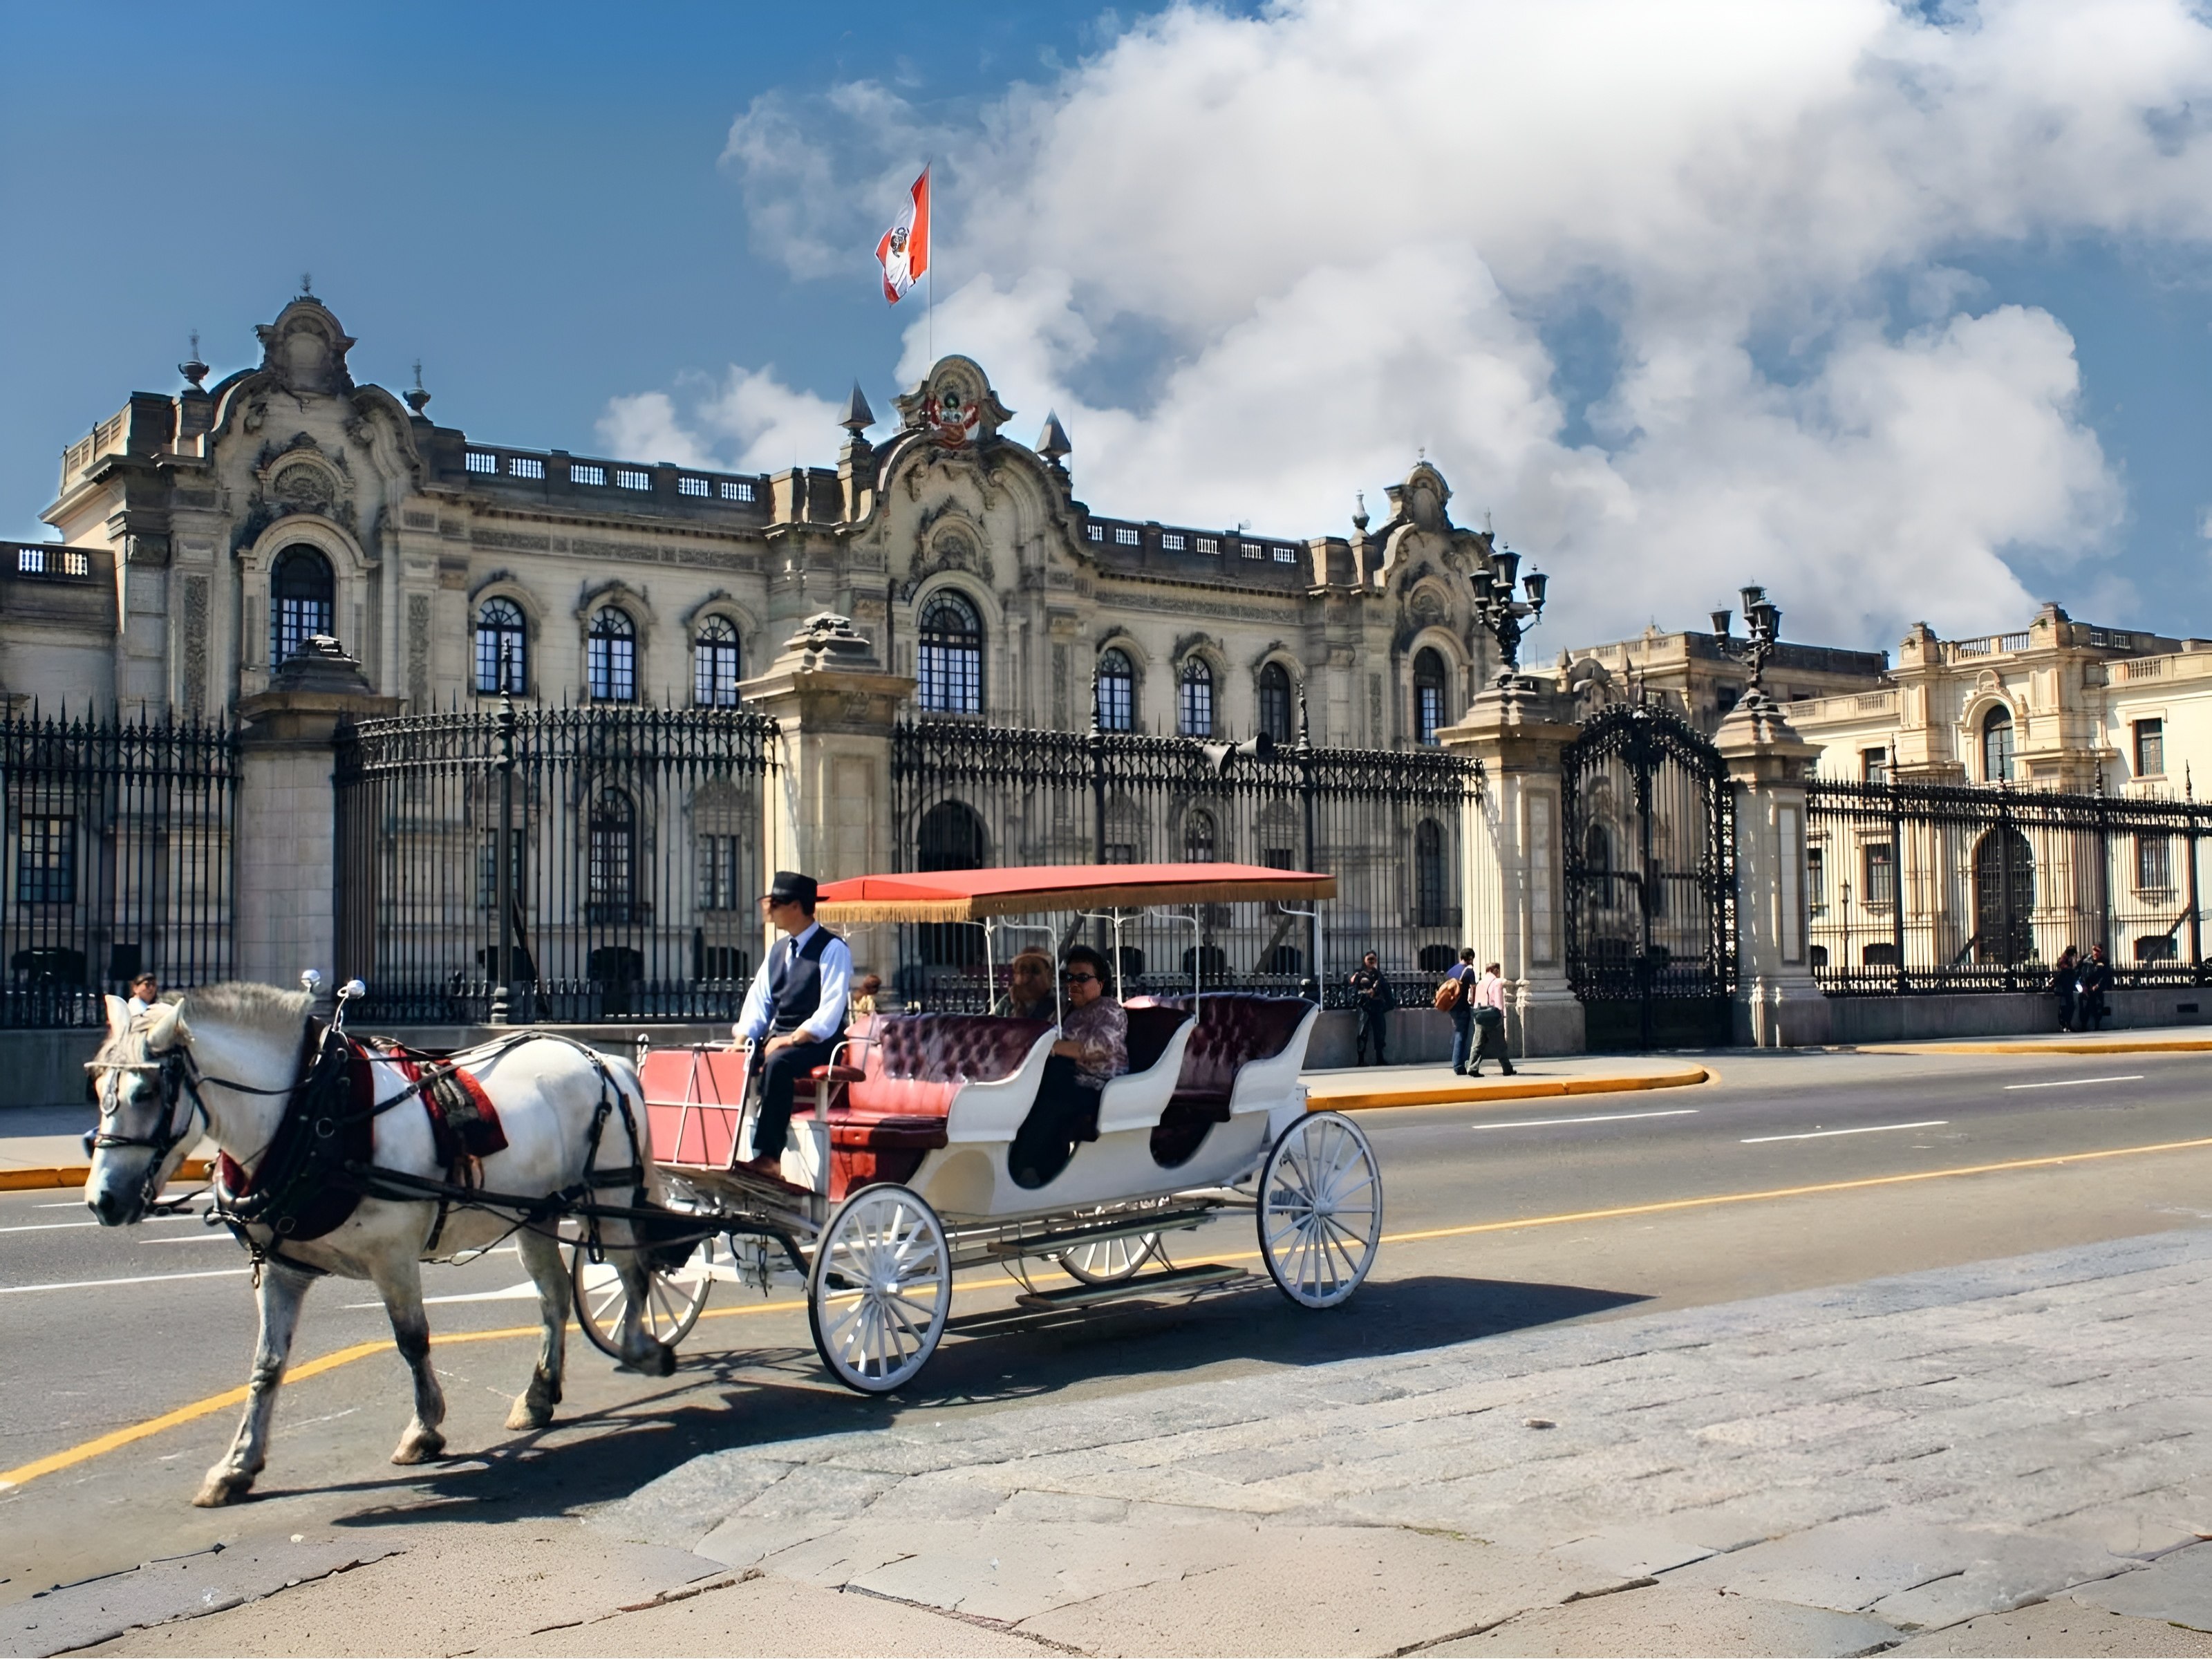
(1455, 997)
(1371, 998)
(1490, 1023)
(2065, 987)
(2094, 980)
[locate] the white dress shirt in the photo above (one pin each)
(758, 1013)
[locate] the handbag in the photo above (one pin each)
(1486, 1015)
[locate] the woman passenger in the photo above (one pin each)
(1093, 1049)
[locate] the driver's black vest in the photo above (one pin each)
(794, 981)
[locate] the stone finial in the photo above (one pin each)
(417, 399)
(826, 640)
(1052, 442)
(194, 371)
(858, 416)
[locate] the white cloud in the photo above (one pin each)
(1342, 226)
(752, 422)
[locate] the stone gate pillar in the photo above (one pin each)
(828, 806)
(1777, 1004)
(1515, 873)
(285, 845)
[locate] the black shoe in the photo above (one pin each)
(1505, 1069)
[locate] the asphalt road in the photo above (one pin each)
(1521, 1204)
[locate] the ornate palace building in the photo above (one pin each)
(206, 533)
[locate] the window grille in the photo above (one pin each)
(1253, 550)
(45, 861)
(1196, 713)
(629, 477)
(951, 680)
(1996, 746)
(2153, 866)
(1174, 540)
(736, 489)
(715, 664)
(610, 657)
(502, 642)
(1429, 887)
(524, 466)
(1881, 885)
(480, 462)
(583, 472)
(1124, 536)
(1286, 555)
(1275, 702)
(722, 873)
(691, 487)
(1117, 693)
(302, 601)
(1094, 533)
(2150, 749)
(611, 866)
(1428, 697)
(1200, 838)
(1210, 546)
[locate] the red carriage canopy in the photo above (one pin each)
(972, 894)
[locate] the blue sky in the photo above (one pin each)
(1902, 314)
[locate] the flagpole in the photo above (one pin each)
(931, 272)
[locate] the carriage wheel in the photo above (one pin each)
(673, 1300)
(1108, 1261)
(879, 1289)
(1321, 1210)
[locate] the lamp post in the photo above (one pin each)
(1503, 616)
(1762, 623)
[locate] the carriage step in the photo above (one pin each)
(1162, 1221)
(1175, 1278)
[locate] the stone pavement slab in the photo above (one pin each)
(2177, 1588)
(1667, 1620)
(2061, 1626)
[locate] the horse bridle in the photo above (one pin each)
(180, 1077)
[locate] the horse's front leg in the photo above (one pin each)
(280, 1293)
(541, 1255)
(399, 1281)
(641, 1350)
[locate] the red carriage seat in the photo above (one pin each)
(1234, 1030)
(897, 1096)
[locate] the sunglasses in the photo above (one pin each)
(1080, 979)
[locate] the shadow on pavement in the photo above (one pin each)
(760, 1398)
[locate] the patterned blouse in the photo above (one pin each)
(1101, 1028)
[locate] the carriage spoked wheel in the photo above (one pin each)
(1321, 1210)
(1108, 1261)
(879, 1288)
(674, 1298)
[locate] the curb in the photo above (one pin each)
(2154, 1046)
(75, 1174)
(1502, 1090)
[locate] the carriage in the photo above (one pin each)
(900, 1178)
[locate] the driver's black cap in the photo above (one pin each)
(789, 887)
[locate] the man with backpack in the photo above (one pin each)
(1455, 997)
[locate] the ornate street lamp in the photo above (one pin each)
(1762, 623)
(1501, 614)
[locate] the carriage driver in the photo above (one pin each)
(794, 1010)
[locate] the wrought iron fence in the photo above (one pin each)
(1391, 826)
(118, 859)
(590, 863)
(1921, 888)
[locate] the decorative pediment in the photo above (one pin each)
(305, 350)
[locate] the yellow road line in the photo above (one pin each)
(107, 1443)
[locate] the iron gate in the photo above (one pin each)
(1649, 846)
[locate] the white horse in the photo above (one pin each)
(228, 1054)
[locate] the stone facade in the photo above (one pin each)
(215, 527)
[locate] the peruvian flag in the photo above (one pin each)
(904, 251)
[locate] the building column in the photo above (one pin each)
(828, 806)
(285, 844)
(1777, 1003)
(1515, 869)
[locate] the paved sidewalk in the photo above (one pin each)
(1356, 1088)
(2011, 1456)
(2149, 1039)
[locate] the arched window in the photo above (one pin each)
(715, 664)
(1429, 882)
(1199, 837)
(950, 837)
(302, 601)
(1275, 702)
(1428, 696)
(1196, 708)
(1117, 692)
(1996, 745)
(501, 641)
(2004, 897)
(952, 665)
(611, 877)
(611, 656)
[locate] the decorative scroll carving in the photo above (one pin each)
(194, 627)
(418, 649)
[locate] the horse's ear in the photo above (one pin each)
(165, 1025)
(118, 1017)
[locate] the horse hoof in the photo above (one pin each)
(664, 1365)
(220, 1489)
(527, 1416)
(420, 1448)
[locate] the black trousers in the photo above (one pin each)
(1374, 1026)
(1066, 1111)
(782, 1072)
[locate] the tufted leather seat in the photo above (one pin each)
(1233, 1030)
(911, 1065)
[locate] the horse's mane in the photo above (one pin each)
(258, 1007)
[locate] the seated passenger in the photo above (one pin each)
(1030, 995)
(1093, 1049)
